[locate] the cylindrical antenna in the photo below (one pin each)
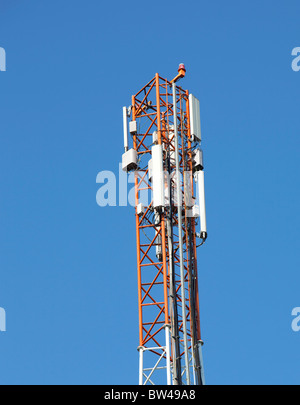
(200, 181)
(125, 128)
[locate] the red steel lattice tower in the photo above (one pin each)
(163, 125)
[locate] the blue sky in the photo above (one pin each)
(68, 267)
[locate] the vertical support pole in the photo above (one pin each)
(194, 299)
(172, 291)
(175, 344)
(193, 223)
(168, 357)
(180, 237)
(200, 344)
(141, 364)
(139, 275)
(163, 228)
(158, 109)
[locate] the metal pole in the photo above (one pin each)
(200, 344)
(168, 359)
(173, 299)
(141, 364)
(180, 236)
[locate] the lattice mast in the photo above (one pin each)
(163, 122)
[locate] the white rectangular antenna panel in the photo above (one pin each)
(195, 118)
(157, 177)
(129, 160)
(188, 189)
(133, 127)
(200, 181)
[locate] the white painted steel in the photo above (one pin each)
(158, 177)
(141, 364)
(200, 182)
(168, 359)
(125, 128)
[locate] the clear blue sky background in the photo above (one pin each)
(68, 267)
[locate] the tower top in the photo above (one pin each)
(181, 73)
